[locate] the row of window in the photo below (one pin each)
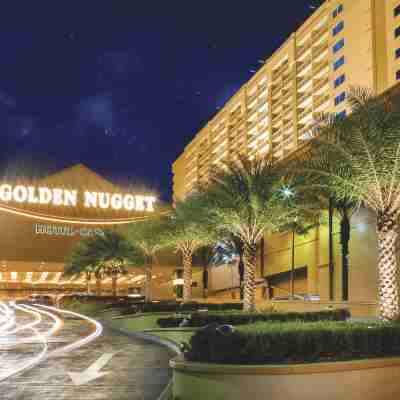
(341, 115)
(396, 13)
(340, 99)
(338, 46)
(338, 28)
(339, 62)
(340, 80)
(338, 10)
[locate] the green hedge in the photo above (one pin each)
(241, 318)
(264, 343)
(188, 307)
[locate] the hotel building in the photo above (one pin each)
(343, 43)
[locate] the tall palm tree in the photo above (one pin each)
(113, 251)
(115, 268)
(99, 274)
(187, 232)
(147, 238)
(80, 262)
(243, 200)
(103, 255)
(344, 208)
(359, 160)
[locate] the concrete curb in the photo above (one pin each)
(169, 344)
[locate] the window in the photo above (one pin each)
(337, 64)
(338, 28)
(397, 11)
(340, 80)
(397, 32)
(339, 45)
(341, 115)
(398, 75)
(397, 54)
(339, 99)
(338, 10)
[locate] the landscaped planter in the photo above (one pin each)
(374, 379)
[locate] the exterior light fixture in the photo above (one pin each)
(287, 192)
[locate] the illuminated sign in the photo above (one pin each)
(65, 230)
(69, 198)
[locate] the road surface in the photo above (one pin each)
(47, 354)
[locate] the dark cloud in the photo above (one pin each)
(7, 100)
(97, 110)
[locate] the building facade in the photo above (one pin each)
(344, 43)
(41, 222)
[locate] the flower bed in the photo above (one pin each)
(266, 343)
(241, 318)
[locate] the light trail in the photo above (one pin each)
(38, 311)
(10, 370)
(56, 326)
(79, 343)
(8, 318)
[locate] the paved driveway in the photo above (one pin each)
(133, 369)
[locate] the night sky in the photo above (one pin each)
(123, 86)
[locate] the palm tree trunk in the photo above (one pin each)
(98, 286)
(387, 268)
(88, 276)
(147, 287)
(241, 276)
(114, 278)
(344, 241)
(331, 261)
(205, 281)
(249, 259)
(187, 275)
(292, 269)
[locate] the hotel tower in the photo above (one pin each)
(344, 43)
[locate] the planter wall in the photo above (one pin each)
(377, 379)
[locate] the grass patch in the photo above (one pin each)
(137, 324)
(175, 336)
(85, 308)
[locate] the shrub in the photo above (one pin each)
(264, 343)
(240, 318)
(187, 307)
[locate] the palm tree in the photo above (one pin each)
(115, 268)
(147, 238)
(102, 255)
(80, 262)
(99, 274)
(344, 208)
(113, 250)
(358, 159)
(187, 232)
(243, 200)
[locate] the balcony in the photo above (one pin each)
(320, 51)
(304, 66)
(302, 97)
(317, 34)
(317, 68)
(304, 83)
(320, 101)
(303, 51)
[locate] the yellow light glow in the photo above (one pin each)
(77, 221)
